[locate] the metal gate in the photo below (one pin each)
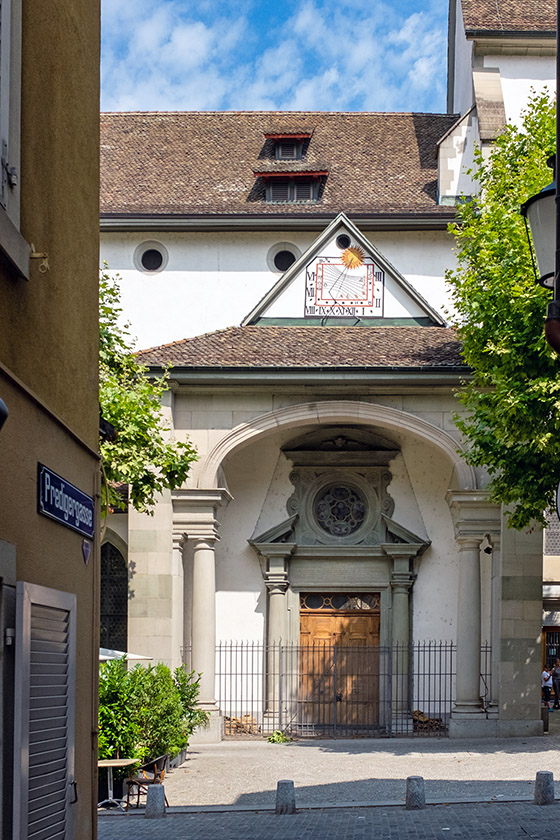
(335, 691)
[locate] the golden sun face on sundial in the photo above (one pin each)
(353, 257)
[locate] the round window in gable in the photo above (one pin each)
(283, 260)
(343, 241)
(281, 256)
(150, 257)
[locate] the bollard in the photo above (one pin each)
(285, 797)
(155, 802)
(544, 788)
(415, 795)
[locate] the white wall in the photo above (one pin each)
(212, 280)
(520, 75)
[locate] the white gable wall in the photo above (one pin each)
(212, 280)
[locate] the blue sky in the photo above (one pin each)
(350, 55)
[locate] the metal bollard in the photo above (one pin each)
(544, 788)
(155, 802)
(285, 797)
(415, 793)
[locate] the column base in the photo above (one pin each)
(212, 732)
(472, 726)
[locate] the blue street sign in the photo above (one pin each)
(61, 501)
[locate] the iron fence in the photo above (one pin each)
(334, 691)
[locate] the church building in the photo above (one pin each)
(332, 566)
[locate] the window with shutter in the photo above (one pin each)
(287, 150)
(279, 189)
(303, 189)
(45, 698)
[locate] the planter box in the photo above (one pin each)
(179, 759)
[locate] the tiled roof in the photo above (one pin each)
(202, 163)
(510, 15)
(315, 347)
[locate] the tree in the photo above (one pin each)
(512, 423)
(139, 455)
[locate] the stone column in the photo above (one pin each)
(475, 518)
(402, 580)
(468, 629)
(275, 558)
(194, 517)
(204, 619)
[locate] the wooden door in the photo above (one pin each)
(339, 668)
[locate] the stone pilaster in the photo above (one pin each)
(476, 520)
(194, 518)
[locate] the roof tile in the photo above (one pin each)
(509, 15)
(312, 347)
(202, 163)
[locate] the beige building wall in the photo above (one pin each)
(49, 348)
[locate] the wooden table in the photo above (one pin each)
(109, 763)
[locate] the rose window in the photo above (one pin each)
(339, 510)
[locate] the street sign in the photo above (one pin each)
(63, 502)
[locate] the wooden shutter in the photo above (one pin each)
(304, 189)
(45, 708)
(279, 189)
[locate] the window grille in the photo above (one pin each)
(114, 599)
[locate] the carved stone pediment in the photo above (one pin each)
(339, 446)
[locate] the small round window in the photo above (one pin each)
(343, 241)
(150, 257)
(283, 260)
(282, 256)
(340, 510)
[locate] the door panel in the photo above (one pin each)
(339, 669)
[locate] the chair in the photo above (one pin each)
(151, 773)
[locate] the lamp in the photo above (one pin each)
(538, 212)
(544, 222)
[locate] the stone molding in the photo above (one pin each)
(335, 412)
(475, 517)
(194, 514)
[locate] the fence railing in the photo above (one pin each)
(337, 691)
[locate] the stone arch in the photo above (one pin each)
(337, 412)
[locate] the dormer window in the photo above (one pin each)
(288, 150)
(289, 145)
(290, 187)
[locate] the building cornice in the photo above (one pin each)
(397, 377)
(117, 223)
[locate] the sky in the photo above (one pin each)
(350, 55)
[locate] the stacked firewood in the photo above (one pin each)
(422, 723)
(245, 725)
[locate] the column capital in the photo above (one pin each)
(474, 515)
(179, 540)
(401, 583)
(194, 512)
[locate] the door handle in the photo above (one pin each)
(339, 697)
(74, 786)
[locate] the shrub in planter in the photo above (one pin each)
(147, 711)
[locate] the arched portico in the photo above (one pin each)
(335, 412)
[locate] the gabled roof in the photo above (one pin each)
(313, 347)
(509, 15)
(201, 164)
(340, 222)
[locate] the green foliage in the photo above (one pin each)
(278, 737)
(512, 424)
(118, 730)
(188, 689)
(147, 711)
(140, 456)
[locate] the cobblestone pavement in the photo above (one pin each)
(498, 821)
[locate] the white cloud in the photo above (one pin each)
(351, 55)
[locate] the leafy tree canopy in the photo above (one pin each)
(512, 423)
(140, 456)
